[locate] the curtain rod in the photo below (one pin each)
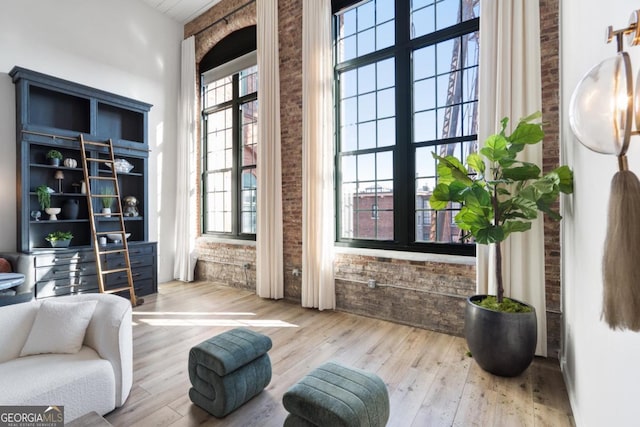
(225, 17)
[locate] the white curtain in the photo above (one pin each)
(318, 287)
(185, 227)
(510, 86)
(269, 263)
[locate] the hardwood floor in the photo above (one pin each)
(430, 379)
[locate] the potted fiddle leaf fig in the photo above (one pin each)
(500, 195)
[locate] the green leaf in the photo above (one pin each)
(548, 184)
(516, 226)
(475, 161)
(495, 148)
(450, 169)
(514, 149)
(493, 234)
(522, 173)
(565, 176)
(531, 117)
(468, 219)
(440, 197)
(527, 207)
(478, 199)
(457, 190)
(503, 191)
(503, 125)
(527, 133)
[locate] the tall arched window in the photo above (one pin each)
(230, 136)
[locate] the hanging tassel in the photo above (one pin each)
(621, 261)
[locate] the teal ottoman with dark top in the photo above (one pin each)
(336, 395)
(228, 370)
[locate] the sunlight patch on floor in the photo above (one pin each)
(214, 318)
(191, 313)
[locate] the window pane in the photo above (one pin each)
(349, 138)
(385, 74)
(366, 79)
(385, 35)
(366, 107)
(366, 15)
(366, 42)
(384, 10)
(447, 13)
(366, 135)
(386, 102)
(349, 83)
(424, 62)
(386, 132)
(249, 80)
(422, 21)
(249, 128)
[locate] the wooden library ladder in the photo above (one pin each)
(107, 179)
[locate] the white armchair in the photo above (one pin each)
(96, 378)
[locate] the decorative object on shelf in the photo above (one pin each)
(83, 187)
(117, 237)
(44, 196)
(70, 209)
(500, 195)
(122, 165)
(54, 157)
(601, 114)
(102, 241)
(53, 213)
(106, 201)
(70, 163)
(130, 206)
(59, 175)
(59, 239)
(36, 215)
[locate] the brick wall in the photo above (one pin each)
(420, 293)
(550, 61)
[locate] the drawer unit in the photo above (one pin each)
(65, 272)
(142, 257)
(54, 288)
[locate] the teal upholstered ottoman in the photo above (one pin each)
(228, 370)
(335, 395)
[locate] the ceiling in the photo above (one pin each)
(182, 11)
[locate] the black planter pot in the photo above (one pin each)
(503, 344)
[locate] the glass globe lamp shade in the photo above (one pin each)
(601, 107)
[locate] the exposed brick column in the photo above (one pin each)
(550, 62)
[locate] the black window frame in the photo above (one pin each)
(235, 104)
(404, 150)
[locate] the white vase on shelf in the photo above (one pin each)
(52, 213)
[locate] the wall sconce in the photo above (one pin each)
(59, 176)
(601, 110)
(601, 115)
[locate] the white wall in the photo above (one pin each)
(121, 46)
(601, 366)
